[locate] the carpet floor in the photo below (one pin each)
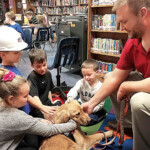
(102, 126)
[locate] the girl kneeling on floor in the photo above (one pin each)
(17, 129)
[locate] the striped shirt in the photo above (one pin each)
(33, 20)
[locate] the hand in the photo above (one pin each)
(87, 107)
(69, 99)
(123, 91)
(49, 109)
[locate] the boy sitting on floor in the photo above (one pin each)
(86, 89)
(41, 81)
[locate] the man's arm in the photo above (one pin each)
(133, 86)
(110, 84)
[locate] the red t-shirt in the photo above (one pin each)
(135, 57)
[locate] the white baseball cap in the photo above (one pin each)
(10, 40)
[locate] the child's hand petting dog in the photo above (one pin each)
(69, 99)
(49, 115)
(49, 109)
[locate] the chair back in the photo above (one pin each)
(42, 35)
(28, 38)
(67, 52)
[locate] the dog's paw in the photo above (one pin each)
(109, 133)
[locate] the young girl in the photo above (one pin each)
(42, 22)
(17, 129)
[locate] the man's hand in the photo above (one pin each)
(123, 91)
(87, 107)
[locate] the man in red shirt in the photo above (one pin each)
(134, 17)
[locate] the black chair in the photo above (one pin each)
(42, 37)
(66, 55)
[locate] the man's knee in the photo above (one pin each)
(137, 102)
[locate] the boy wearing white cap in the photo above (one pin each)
(11, 45)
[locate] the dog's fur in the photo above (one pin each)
(82, 142)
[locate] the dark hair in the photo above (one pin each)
(90, 63)
(30, 9)
(30, 13)
(37, 55)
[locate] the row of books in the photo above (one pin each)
(103, 2)
(84, 1)
(109, 46)
(104, 22)
(60, 11)
(53, 3)
(53, 19)
(105, 67)
(69, 2)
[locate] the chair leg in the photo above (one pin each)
(58, 76)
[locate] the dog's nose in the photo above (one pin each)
(89, 119)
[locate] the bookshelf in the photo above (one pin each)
(105, 40)
(2, 10)
(56, 8)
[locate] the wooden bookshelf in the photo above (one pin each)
(103, 34)
(66, 7)
(2, 11)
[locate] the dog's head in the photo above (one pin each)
(72, 110)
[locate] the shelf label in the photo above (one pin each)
(71, 24)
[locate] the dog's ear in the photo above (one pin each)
(62, 116)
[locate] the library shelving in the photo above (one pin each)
(105, 40)
(56, 8)
(2, 10)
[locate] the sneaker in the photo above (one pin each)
(52, 41)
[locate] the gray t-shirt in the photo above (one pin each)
(15, 123)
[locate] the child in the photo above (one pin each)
(41, 80)
(11, 45)
(41, 23)
(17, 129)
(45, 14)
(32, 19)
(87, 87)
(10, 21)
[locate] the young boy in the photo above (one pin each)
(11, 45)
(86, 89)
(31, 19)
(10, 21)
(41, 80)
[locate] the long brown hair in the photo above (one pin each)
(42, 21)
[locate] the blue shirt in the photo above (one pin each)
(18, 28)
(14, 69)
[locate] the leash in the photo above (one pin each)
(120, 127)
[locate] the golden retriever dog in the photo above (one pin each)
(72, 110)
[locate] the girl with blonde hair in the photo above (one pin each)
(18, 130)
